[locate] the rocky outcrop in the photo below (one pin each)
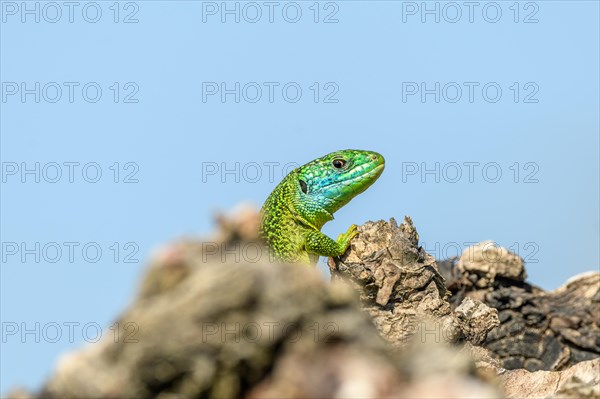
(400, 287)
(212, 323)
(539, 330)
(230, 330)
(216, 318)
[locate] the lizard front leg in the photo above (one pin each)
(318, 243)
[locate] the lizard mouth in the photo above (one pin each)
(364, 172)
(367, 173)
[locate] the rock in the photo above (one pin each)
(219, 332)
(215, 318)
(239, 329)
(539, 330)
(476, 320)
(399, 285)
(487, 260)
(581, 380)
(576, 388)
(19, 393)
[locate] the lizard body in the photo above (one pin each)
(306, 199)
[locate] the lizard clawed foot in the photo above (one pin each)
(345, 238)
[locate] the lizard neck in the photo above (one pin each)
(306, 209)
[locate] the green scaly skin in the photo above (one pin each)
(307, 198)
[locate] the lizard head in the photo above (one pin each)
(330, 182)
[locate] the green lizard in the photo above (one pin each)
(295, 212)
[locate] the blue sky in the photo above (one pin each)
(488, 120)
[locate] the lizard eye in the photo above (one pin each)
(303, 187)
(338, 163)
